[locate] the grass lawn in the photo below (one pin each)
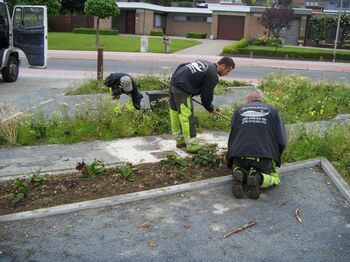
(118, 43)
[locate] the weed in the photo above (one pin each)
(89, 86)
(9, 123)
(208, 156)
(37, 178)
(19, 191)
(91, 170)
(173, 160)
(125, 171)
(333, 144)
(300, 100)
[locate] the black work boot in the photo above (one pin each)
(239, 179)
(253, 183)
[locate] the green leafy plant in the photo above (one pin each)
(173, 160)
(208, 156)
(91, 170)
(37, 178)
(125, 171)
(19, 191)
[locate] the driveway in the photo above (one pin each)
(207, 47)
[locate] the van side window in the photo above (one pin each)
(17, 19)
(4, 23)
(32, 17)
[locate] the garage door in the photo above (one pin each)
(230, 27)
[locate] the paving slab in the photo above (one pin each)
(56, 157)
(190, 226)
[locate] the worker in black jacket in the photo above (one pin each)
(122, 83)
(190, 79)
(257, 140)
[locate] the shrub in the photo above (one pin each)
(185, 4)
(92, 31)
(157, 33)
(235, 47)
(196, 35)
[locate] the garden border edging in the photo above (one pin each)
(326, 166)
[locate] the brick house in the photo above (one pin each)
(218, 21)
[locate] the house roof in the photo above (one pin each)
(229, 8)
(211, 8)
(165, 9)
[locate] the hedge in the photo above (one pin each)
(234, 48)
(196, 35)
(243, 47)
(93, 31)
(302, 53)
(157, 33)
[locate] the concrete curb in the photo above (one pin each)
(339, 182)
(115, 200)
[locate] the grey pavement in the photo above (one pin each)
(190, 226)
(35, 101)
(207, 47)
(56, 157)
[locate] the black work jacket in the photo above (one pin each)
(199, 77)
(257, 130)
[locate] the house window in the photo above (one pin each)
(158, 20)
(180, 18)
(197, 19)
(192, 19)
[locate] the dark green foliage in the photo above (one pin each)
(157, 33)
(196, 35)
(19, 191)
(173, 160)
(101, 8)
(92, 31)
(208, 156)
(53, 6)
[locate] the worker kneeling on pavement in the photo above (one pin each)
(190, 79)
(257, 140)
(122, 83)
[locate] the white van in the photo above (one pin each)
(27, 31)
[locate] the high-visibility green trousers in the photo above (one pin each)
(181, 115)
(266, 167)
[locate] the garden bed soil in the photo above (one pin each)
(69, 188)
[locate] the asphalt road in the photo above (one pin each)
(242, 72)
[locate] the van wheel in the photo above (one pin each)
(10, 72)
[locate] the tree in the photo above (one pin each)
(101, 9)
(53, 6)
(275, 19)
(344, 26)
(285, 3)
(319, 24)
(72, 7)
